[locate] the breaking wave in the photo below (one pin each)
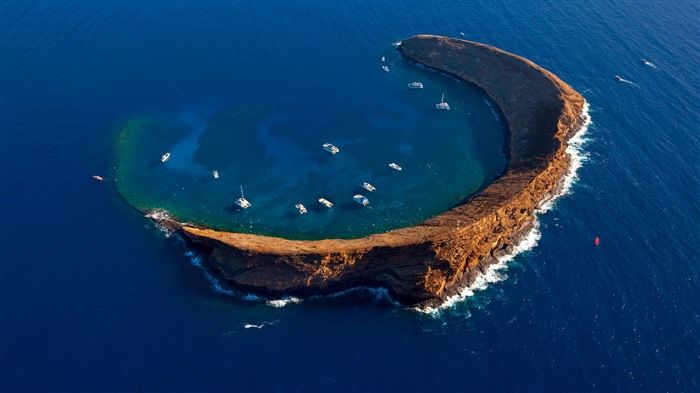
(496, 272)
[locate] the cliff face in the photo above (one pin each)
(424, 264)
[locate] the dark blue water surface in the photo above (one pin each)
(96, 299)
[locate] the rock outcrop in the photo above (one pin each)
(425, 264)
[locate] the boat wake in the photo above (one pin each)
(649, 64)
(496, 272)
(629, 82)
(262, 325)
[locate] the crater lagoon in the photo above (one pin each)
(271, 146)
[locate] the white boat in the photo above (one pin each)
(242, 202)
(442, 105)
(368, 186)
(301, 208)
(325, 202)
(361, 199)
(165, 157)
(415, 85)
(385, 68)
(383, 59)
(215, 174)
(331, 148)
(395, 166)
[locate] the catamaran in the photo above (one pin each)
(442, 105)
(331, 148)
(301, 208)
(325, 202)
(165, 157)
(361, 199)
(368, 186)
(242, 202)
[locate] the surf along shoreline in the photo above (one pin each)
(425, 265)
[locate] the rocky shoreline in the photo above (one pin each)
(425, 264)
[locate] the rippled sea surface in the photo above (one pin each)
(94, 298)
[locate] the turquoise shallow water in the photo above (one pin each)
(274, 151)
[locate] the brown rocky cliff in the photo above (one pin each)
(424, 264)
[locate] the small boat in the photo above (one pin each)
(215, 174)
(596, 241)
(242, 202)
(385, 68)
(415, 85)
(383, 59)
(618, 78)
(331, 148)
(325, 202)
(165, 157)
(368, 187)
(461, 33)
(98, 178)
(361, 199)
(442, 105)
(395, 166)
(301, 208)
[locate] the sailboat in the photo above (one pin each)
(242, 202)
(442, 105)
(215, 174)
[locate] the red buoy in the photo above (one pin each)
(596, 241)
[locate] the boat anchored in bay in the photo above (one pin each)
(301, 208)
(361, 199)
(325, 202)
(368, 187)
(242, 202)
(165, 157)
(415, 85)
(442, 105)
(395, 166)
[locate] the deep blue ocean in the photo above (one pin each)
(95, 298)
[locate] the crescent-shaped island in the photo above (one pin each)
(425, 264)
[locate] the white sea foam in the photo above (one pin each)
(491, 106)
(196, 260)
(577, 156)
(156, 216)
(496, 272)
(379, 294)
(277, 303)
